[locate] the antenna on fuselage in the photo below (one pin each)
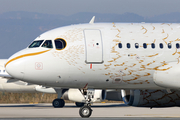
(92, 20)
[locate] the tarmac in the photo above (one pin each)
(100, 111)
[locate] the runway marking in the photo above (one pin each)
(100, 110)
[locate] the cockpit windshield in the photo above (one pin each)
(36, 44)
(47, 44)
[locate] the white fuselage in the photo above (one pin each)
(93, 57)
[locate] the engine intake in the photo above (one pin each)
(151, 98)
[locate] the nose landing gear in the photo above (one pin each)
(86, 110)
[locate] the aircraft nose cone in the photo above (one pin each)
(15, 69)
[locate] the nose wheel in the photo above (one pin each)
(58, 103)
(85, 111)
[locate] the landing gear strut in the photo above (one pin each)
(59, 103)
(86, 110)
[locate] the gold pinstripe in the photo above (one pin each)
(25, 55)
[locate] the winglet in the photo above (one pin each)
(92, 20)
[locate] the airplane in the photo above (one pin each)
(10, 84)
(140, 59)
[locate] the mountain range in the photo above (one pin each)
(19, 28)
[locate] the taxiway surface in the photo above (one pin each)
(104, 110)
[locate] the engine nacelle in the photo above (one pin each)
(43, 89)
(168, 75)
(151, 98)
(76, 95)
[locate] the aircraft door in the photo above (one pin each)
(94, 47)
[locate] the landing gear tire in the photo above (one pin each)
(85, 111)
(79, 104)
(58, 103)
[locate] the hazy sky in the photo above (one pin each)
(68, 7)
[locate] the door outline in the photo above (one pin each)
(86, 53)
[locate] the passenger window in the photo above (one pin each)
(4, 71)
(36, 44)
(161, 45)
(169, 45)
(60, 44)
(47, 44)
(120, 45)
(128, 45)
(177, 45)
(144, 45)
(136, 45)
(152, 45)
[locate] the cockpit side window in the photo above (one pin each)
(36, 44)
(60, 44)
(47, 44)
